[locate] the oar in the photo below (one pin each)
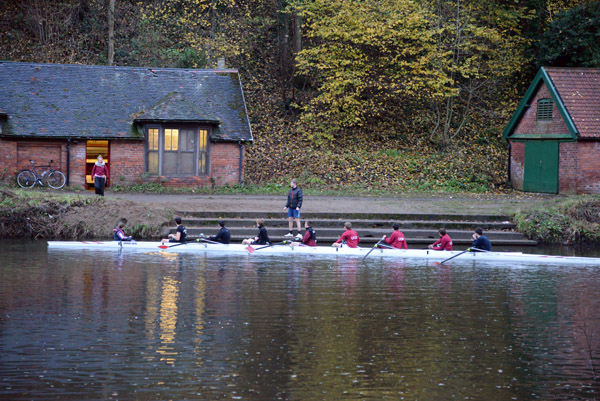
(163, 246)
(250, 249)
(209, 241)
(481, 250)
(452, 257)
(376, 245)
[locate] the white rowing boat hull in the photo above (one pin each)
(503, 257)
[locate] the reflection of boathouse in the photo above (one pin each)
(179, 126)
(554, 134)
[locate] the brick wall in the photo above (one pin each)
(517, 163)
(126, 161)
(15, 155)
(568, 171)
(8, 159)
(225, 162)
(529, 124)
(588, 167)
(578, 167)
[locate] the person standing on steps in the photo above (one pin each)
(100, 175)
(293, 205)
(480, 241)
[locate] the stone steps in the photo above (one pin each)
(337, 223)
(419, 229)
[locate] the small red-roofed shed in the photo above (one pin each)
(554, 135)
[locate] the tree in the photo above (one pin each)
(111, 32)
(369, 60)
(573, 38)
(479, 49)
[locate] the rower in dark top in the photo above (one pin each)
(223, 235)
(179, 236)
(119, 234)
(262, 238)
(310, 236)
(480, 241)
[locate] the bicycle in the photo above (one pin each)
(29, 177)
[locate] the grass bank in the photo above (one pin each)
(564, 220)
(58, 215)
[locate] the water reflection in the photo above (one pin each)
(168, 326)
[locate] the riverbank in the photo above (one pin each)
(83, 215)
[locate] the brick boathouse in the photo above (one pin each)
(184, 127)
(554, 135)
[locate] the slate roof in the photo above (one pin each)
(79, 101)
(579, 90)
(576, 93)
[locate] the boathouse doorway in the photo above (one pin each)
(93, 149)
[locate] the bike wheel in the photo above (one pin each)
(56, 180)
(26, 179)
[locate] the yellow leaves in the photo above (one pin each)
(362, 49)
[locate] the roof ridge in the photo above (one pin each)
(114, 67)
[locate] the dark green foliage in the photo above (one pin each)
(573, 39)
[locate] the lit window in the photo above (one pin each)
(177, 151)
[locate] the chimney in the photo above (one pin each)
(221, 63)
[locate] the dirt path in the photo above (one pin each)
(405, 203)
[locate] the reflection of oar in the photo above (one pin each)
(376, 245)
(452, 257)
(250, 249)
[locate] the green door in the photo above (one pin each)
(541, 167)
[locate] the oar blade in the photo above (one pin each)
(250, 249)
(163, 246)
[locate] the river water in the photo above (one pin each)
(81, 325)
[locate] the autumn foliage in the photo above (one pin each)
(341, 94)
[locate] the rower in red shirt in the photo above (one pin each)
(396, 240)
(444, 243)
(350, 236)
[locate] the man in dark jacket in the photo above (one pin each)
(223, 235)
(480, 241)
(293, 205)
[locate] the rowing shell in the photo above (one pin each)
(503, 257)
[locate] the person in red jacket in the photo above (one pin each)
(310, 237)
(100, 175)
(444, 243)
(396, 240)
(350, 236)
